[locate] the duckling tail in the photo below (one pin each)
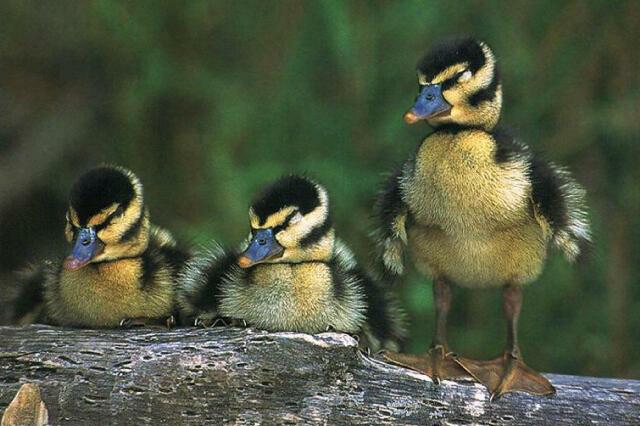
(385, 325)
(28, 305)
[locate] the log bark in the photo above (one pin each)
(244, 376)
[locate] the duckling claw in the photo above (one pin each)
(505, 374)
(435, 363)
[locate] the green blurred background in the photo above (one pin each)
(208, 101)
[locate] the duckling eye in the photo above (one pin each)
(464, 76)
(297, 217)
(119, 212)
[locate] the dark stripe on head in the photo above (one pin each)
(133, 231)
(109, 218)
(287, 191)
(448, 83)
(488, 93)
(99, 188)
(316, 233)
(283, 225)
(451, 52)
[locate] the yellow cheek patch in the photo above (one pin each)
(109, 235)
(455, 95)
(115, 249)
(103, 215)
(286, 238)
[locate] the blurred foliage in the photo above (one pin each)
(208, 101)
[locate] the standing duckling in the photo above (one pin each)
(121, 270)
(476, 208)
(294, 275)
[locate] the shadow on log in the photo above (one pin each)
(223, 375)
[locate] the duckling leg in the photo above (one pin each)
(508, 372)
(209, 322)
(438, 362)
(167, 322)
(170, 321)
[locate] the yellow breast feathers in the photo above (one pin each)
(456, 184)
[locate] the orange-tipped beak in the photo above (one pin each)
(244, 262)
(411, 118)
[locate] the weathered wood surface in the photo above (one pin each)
(235, 376)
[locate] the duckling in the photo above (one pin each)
(475, 207)
(121, 270)
(293, 274)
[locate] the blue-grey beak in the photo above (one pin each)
(263, 247)
(429, 103)
(85, 247)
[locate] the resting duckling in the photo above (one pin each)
(476, 208)
(294, 275)
(121, 270)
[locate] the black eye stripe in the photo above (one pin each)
(449, 82)
(446, 84)
(118, 212)
(282, 226)
(134, 229)
(288, 219)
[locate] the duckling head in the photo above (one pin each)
(106, 218)
(290, 223)
(458, 83)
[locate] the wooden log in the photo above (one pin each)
(244, 376)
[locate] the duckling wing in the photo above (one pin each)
(201, 281)
(561, 201)
(391, 212)
(170, 253)
(555, 195)
(384, 323)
